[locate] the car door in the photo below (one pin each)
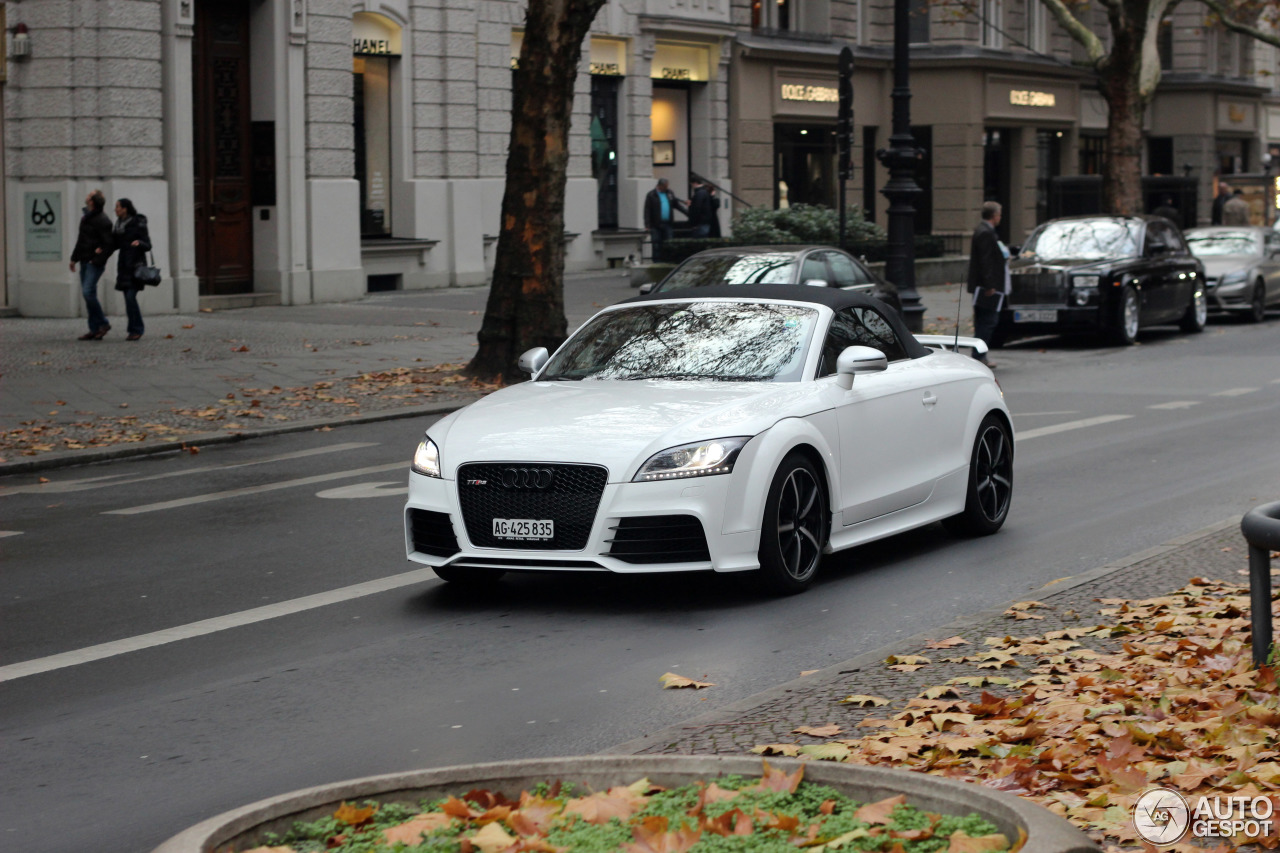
(1160, 285)
(886, 431)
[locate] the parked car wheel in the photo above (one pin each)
(1258, 304)
(990, 489)
(1125, 330)
(467, 577)
(1197, 313)
(794, 530)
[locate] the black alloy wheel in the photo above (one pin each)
(467, 577)
(990, 490)
(1124, 330)
(794, 531)
(1197, 315)
(1258, 304)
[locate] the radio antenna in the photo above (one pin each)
(959, 302)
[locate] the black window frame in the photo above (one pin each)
(831, 354)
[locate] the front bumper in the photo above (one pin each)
(1068, 319)
(704, 499)
(1232, 297)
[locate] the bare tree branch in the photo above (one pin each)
(1092, 44)
(1149, 71)
(1221, 10)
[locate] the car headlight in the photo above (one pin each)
(1084, 289)
(1237, 277)
(692, 460)
(426, 459)
(1085, 281)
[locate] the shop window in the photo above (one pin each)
(375, 49)
(1093, 154)
(1233, 156)
(604, 147)
(1048, 167)
(804, 164)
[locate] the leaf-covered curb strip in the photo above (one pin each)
(1170, 699)
(776, 813)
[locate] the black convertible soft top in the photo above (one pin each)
(832, 297)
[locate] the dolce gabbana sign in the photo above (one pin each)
(813, 94)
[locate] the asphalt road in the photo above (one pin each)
(284, 662)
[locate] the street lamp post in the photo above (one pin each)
(901, 190)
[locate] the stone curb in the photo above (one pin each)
(727, 715)
(125, 451)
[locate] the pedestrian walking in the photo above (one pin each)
(94, 245)
(988, 275)
(660, 206)
(132, 241)
(702, 208)
(1236, 210)
(1219, 202)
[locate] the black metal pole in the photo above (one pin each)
(901, 190)
(1261, 529)
(844, 134)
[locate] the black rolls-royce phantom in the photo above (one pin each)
(1112, 275)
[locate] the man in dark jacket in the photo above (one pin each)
(702, 208)
(660, 206)
(1219, 202)
(93, 246)
(988, 270)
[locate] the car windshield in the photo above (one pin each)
(726, 341)
(710, 270)
(1085, 239)
(1225, 243)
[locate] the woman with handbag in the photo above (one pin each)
(133, 241)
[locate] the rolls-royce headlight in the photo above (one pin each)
(1085, 281)
(1084, 295)
(692, 460)
(426, 459)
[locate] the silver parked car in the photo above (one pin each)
(1242, 265)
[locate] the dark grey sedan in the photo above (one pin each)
(819, 266)
(1241, 266)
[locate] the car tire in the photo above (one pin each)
(794, 530)
(1197, 313)
(468, 578)
(989, 493)
(1258, 304)
(1124, 331)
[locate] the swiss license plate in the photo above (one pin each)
(523, 528)
(1043, 315)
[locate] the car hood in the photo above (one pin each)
(1043, 265)
(617, 424)
(1219, 265)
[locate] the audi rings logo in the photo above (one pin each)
(527, 478)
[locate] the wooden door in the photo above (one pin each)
(223, 162)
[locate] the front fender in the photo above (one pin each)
(760, 459)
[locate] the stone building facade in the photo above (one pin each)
(300, 151)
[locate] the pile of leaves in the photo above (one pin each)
(1167, 695)
(777, 813)
(401, 386)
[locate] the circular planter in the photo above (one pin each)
(243, 828)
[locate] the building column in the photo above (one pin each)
(178, 19)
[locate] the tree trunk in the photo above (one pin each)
(526, 298)
(1126, 105)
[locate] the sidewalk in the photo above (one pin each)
(198, 379)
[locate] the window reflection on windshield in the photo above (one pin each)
(1086, 239)
(1225, 243)
(731, 269)
(727, 341)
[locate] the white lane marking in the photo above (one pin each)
(210, 626)
(1176, 404)
(1071, 425)
(365, 490)
(254, 490)
(1043, 414)
(113, 479)
(4, 533)
(1235, 392)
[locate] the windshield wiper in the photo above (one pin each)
(715, 376)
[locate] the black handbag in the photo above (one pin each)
(147, 274)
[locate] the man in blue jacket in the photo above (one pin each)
(659, 208)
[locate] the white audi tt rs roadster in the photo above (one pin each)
(740, 429)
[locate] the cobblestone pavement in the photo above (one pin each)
(1218, 552)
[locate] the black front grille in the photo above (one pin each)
(1048, 288)
(432, 533)
(659, 539)
(569, 498)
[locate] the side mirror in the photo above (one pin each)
(855, 360)
(815, 282)
(646, 288)
(533, 360)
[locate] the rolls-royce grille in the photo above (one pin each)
(1047, 288)
(565, 495)
(659, 539)
(432, 533)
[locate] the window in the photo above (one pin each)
(846, 273)
(854, 327)
(1093, 154)
(1037, 32)
(992, 23)
(776, 15)
(1164, 43)
(1161, 238)
(919, 21)
(814, 268)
